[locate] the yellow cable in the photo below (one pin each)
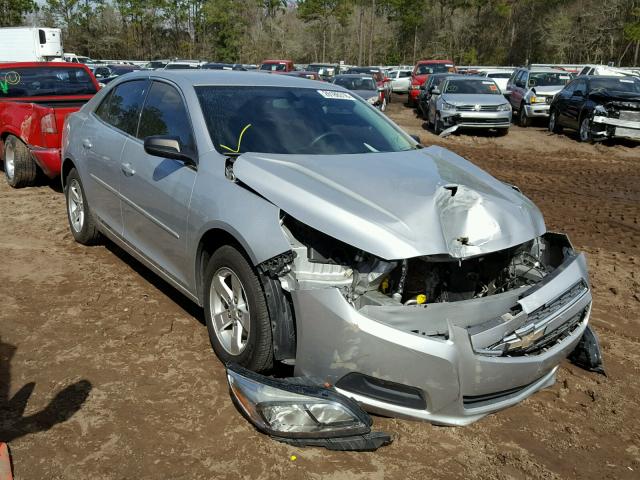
(237, 150)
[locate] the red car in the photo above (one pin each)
(277, 66)
(35, 99)
(421, 73)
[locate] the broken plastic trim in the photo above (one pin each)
(587, 353)
(301, 414)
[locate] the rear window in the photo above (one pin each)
(499, 75)
(45, 81)
(274, 67)
(429, 68)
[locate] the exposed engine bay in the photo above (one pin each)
(320, 261)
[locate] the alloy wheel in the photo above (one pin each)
(75, 204)
(230, 312)
(9, 160)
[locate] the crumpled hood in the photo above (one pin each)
(396, 205)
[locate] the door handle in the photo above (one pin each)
(127, 169)
(86, 143)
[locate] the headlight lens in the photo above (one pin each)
(284, 409)
(504, 107)
(447, 106)
(534, 99)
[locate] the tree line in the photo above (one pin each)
(373, 32)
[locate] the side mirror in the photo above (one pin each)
(167, 147)
(435, 91)
(507, 93)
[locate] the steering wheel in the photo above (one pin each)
(322, 136)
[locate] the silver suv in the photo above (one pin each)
(531, 90)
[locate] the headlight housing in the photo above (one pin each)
(534, 99)
(504, 107)
(302, 414)
(447, 106)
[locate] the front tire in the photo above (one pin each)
(584, 132)
(236, 311)
(81, 222)
(554, 126)
(523, 119)
(19, 168)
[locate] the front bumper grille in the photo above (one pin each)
(540, 332)
(477, 108)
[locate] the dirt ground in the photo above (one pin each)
(118, 378)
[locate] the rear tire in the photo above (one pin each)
(19, 168)
(236, 311)
(81, 222)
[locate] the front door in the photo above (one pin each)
(156, 191)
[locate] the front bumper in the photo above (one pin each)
(459, 384)
(537, 110)
(476, 119)
(614, 127)
(48, 159)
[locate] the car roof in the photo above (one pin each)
(200, 77)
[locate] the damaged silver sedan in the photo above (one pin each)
(316, 233)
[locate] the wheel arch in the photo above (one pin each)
(279, 304)
(67, 165)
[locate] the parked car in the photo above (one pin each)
(277, 66)
(468, 102)
(325, 70)
(426, 89)
(383, 82)
(313, 230)
(421, 73)
(108, 73)
(35, 99)
(598, 107)
(531, 90)
(183, 65)
(499, 75)
(400, 80)
(309, 75)
(156, 64)
(223, 66)
(606, 70)
(364, 86)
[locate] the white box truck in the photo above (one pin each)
(30, 44)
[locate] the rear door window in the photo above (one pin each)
(122, 107)
(165, 113)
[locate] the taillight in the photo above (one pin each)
(48, 124)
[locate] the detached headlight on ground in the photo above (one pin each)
(302, 414)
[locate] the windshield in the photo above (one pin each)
(295, 121)
(356, 83)
(181, 66)
(499, 75)
(622, 85)
(428, 69)
(273, 67)
(548, 79)
(472, 86)
(121, 70)
(44, 81)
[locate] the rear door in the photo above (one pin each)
(156, 191)
(562, 103)
(103, 138)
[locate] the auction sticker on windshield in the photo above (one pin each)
(336, 95)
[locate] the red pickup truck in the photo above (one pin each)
(277, 66)
(421, 73)
(35, 99)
